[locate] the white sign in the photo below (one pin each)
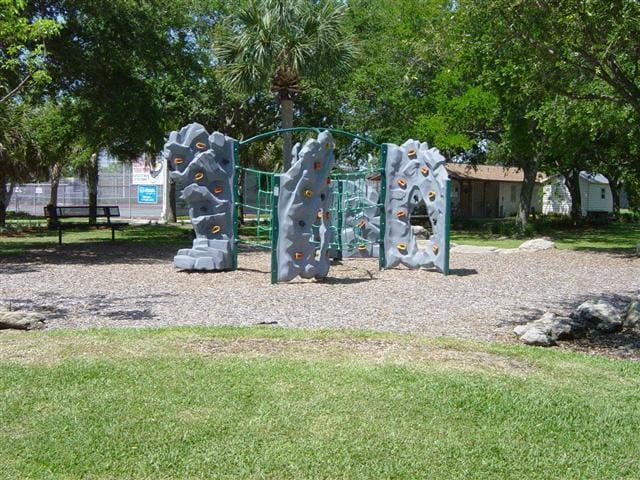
(141, 174)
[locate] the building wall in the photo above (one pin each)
(596, 197)
(556, 198)
(510, 198)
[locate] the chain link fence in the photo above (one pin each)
(135, 201)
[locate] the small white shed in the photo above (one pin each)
(594, 190)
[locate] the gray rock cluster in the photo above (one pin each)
(203, 169)
(596, 316)
(304, 217)
(20, 320)
(415, 173)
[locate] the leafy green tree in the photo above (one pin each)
(20, 159)
(124, 65)
(22, 48)
(276, 43)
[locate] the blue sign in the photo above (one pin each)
(148, 194)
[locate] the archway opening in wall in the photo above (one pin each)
(419, 218)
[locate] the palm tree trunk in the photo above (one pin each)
(286, 115)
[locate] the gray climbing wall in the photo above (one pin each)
(303, 211)
(414, 173)
(203, 169)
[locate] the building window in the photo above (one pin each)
(602, 194)
(513, 193)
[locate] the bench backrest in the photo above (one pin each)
(82, 212)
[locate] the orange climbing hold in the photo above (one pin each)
(319, 215)
(217, 190)
(435, 249)
(200, 145)
(215, 229)
(432, 196)
(402, 182)
(424, 170)
(317, 165)
(327, 215)
(362, 223)
(328, 181)
(298, 255)
(199, 176)
(401, 214)
(308, 193)
(179, 161)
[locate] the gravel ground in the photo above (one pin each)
(101, 284)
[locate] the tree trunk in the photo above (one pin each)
(56, 171)
(286, 115)
(172, 207)
(530, 171)
(4, 202)
(615, 185)
(92, 183)
(572, 180)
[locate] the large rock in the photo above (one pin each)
(537, 244)
(632, 315)
(598, 315)
(553, 327)
(21, 320)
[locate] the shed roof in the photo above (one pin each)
(494, 173)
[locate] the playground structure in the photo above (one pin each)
(312, 213)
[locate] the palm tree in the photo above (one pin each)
(276, 43)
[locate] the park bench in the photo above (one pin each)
(56, 214)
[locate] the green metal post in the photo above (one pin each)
(274, 228)
(340, 219)
(382, 260)
(447, 228)
(236, 205)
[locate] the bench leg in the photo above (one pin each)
(113, 234)
(59, 236)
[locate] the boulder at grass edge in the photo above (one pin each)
(599, 315)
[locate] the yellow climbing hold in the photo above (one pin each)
(200, 145)
(402, 182)
(435, 249)
(362, 247)
(199, 176)
(432, 196)
(401, 246)
(215, 229)
(308, 193)
(412, 152)
(319, 215)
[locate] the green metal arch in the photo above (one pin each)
(310, 129)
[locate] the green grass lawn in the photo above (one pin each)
(13, 243)
(615, 236)
(262, 403)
